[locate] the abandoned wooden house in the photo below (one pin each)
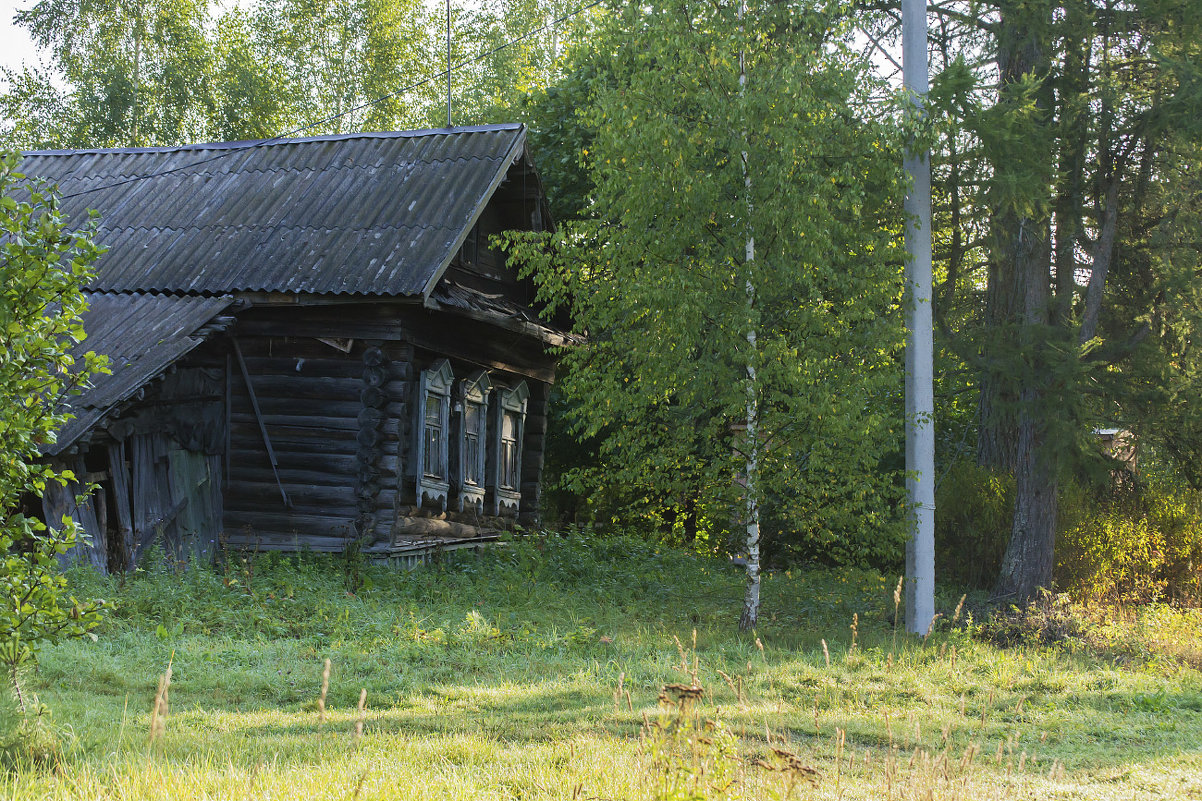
(312, 343)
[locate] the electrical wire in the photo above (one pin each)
(331, 118)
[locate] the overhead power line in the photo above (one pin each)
(333, 117)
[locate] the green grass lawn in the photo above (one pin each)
(534, 672)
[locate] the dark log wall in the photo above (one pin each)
(188, 465)
(384, 436)
(334, 433)
(533, 445)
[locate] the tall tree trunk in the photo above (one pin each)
(996, 405)
(1027, 565)
(751, 598)
(1016, 395)
(996, 430)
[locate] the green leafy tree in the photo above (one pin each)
(1063, 128)
(43, 263)
(178, 71)
(334, 57)
(133, 73)
(739, 282)
(518, 48)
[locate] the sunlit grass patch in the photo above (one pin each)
(536, 672)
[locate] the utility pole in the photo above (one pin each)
(920, 391)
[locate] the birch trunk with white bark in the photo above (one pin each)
(751, 599)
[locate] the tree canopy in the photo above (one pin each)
(731, 246)
(690, 337)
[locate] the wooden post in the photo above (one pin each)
(254, 404)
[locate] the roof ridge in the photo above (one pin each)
(256, 170)
(341, 228)
(247, 144)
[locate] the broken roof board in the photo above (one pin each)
(142, 335)
(363, 214)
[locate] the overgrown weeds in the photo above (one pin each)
(536, 670)
(1142, 634)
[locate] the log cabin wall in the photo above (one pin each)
(307, 395)
(336, 269)
(336, 393)
(332, 408)
(533, 455)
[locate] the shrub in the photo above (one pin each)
(26, 740)
(1126, 542)
(43, 265)
(1139, 544)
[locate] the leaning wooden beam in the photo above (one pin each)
(254, 404)
(229, 406)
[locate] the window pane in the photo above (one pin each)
(472, 417)
(432, 466)
(433, 461)
(471, 459)
(509, 450)
(433, 409)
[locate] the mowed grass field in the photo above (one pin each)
(537, 669)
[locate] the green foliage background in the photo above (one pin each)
(43, 263)
(655, 277)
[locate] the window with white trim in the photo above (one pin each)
(433, 428)
(471, 408)
(505, 457)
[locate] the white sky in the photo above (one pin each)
(15, 47)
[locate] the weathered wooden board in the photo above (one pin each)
(119, 476)
(68, 501)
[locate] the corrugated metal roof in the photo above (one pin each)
(142, 335)
(372, 214)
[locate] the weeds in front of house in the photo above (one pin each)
(538, 673)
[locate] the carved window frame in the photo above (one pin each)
(432, 430)
(472, 391)
(505, 453)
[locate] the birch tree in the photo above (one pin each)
(739, 279)
(169, 72)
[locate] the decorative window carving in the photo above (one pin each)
(471, 409)
(505, 457)
(433, 427)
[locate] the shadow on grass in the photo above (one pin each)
(1102, 730)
